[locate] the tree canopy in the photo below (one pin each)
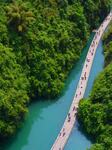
(40, 41)
(13, 92)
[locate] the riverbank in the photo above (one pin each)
(95, 112)
(41, 120)
(81, 87)
(37, 51)
(77, 138)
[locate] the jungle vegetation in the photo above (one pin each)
(40, 41)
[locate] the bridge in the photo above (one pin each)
(70, 120)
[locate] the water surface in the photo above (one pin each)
(46, 118)
(77, 140)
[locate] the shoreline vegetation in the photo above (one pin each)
(40, 41)
(95, 112)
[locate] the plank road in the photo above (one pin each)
(70, 120)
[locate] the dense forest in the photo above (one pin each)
(40, 41)
(95, 113)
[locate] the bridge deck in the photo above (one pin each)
(71, 116)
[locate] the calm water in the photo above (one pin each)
(77, 140)
(45, 119)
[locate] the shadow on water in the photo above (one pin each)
(45, 118)
(81, 129)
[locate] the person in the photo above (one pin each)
(60, 134)
(80, 93)
(69, 120)
(82, 78)
(73, 108)
(76, 95)
(86, 65)
(88, 60)
(64, 134)
(85, 74)
(69, 117)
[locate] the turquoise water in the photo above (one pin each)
(45, 119)
(77, 140)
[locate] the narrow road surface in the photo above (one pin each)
(71, 116)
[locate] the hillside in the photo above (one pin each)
(40, 41)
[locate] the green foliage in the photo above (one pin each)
(48, 49)
(93, 9)
(96, 113)
(13, 92)
(19, 16)
(40, 40)
(97, 147)
(107, 40)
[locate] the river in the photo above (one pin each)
(45, 118)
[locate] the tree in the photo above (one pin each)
(97, 147)
(19, 15)
(13, 104)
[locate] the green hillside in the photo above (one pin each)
(40, 41)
